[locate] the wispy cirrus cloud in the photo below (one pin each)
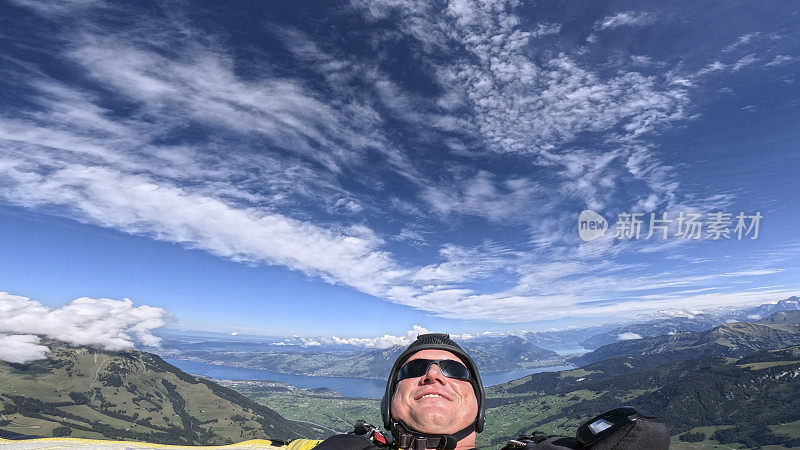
(626, 18)
(742, 41)
(137, 204)
(298, 163)
(484, 195)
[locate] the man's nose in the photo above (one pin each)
(434, 373)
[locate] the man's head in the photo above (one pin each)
(439, 390)
(434, 403)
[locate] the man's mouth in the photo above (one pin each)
(431, 396)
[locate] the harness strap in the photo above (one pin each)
(412, 440)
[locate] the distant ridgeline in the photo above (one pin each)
(695, 322)
(491, 353)
(131, 395)
(496, 355)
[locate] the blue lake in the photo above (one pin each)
(570, 350)
(349, 387)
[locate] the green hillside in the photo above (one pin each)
(320, 406)
(788, 321)
(750, 401)
(131, 395)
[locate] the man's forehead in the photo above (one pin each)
(434, 354)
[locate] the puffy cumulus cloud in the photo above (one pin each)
(629, 18)
(388, 340)
(385, 341)
(21, 348)
(110, 324)
(683, 313)
(628, 336)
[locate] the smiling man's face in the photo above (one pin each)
(433, 403)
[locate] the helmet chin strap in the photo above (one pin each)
(414, 440)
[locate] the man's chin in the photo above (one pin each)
(434, 422)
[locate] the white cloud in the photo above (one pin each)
(385, 341)
(502, 201)
(201, 86)
(59, 7)
(713, 67)
(743, 40)
(528, 107)
(412, 235)
(780, 60)
(641, 60)
(21, 348)
(137, 204)
(744, 62)
(547, 29)
(75, 157)
(627, 18)
(110, 324)
(628, 336)
(349, 205)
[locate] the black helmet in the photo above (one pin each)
(438, 341)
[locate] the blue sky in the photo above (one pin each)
(357, 168)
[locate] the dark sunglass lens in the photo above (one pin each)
(419, 367)
(454, 369)
(414, 368)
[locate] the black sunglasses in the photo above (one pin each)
(419, 367)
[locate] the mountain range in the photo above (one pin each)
(735, 339)
(690, 322)
(499, 354)
(131, 395)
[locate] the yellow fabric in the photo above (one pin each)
(302, 444)
(55, 443)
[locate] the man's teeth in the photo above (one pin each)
(432, 395)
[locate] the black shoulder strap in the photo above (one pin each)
(346, 442)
